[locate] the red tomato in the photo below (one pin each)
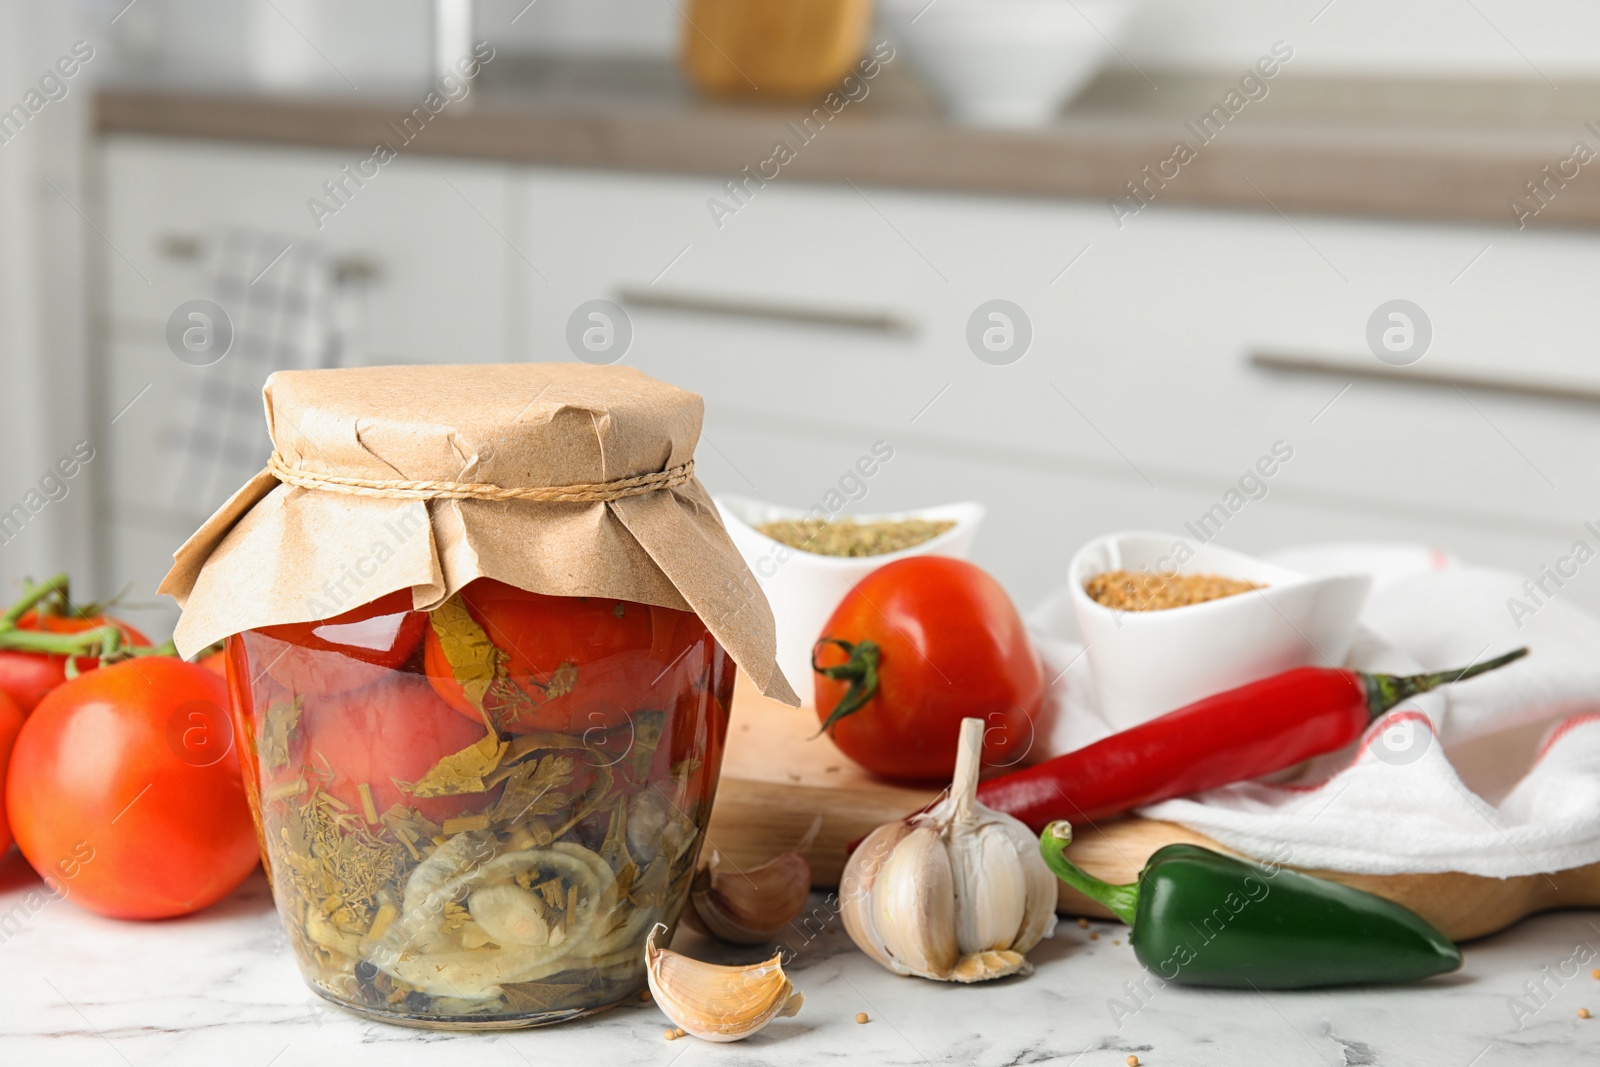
(698, 730)
(125, 795)
(394, 730)
(348, 651)
(26, 677)
(216, 663)
(618, 650)
(948, 645)
(11, 720)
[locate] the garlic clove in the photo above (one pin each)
(750, 907)
(509, 914)
(913, 904)
(855, 891)
(991, 896)
(718, 1003)
(1039, 919)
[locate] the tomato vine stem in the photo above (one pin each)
(102, 642)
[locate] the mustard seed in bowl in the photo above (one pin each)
(847, 537)
(1145, 591)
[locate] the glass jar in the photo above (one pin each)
(473, 817)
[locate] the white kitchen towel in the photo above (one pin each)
(1394, 802)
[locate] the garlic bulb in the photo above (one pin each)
(718, 1003)
(958, 893)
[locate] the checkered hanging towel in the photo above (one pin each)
(279, 295)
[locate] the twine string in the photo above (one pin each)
(399, 489)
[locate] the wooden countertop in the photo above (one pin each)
(1411, 149)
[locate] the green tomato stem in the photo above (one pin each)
(31, 595)
(102, 641)
(860, 670)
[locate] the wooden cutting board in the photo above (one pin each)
(777, 778)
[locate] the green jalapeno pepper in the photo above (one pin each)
(1198, 917)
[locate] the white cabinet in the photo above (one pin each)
(817, 320)
(414, 261)
(1137, 404)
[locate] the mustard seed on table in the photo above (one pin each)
(1144, 591)
(1133, 1061)
(861, 1016)
(1083, 924)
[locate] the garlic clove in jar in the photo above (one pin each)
(509, 914)
(718, 1003)
(958, 893)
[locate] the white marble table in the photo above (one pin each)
(221, 988)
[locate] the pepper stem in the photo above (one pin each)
(860, 670)
(1121, 900)
(1384, 691)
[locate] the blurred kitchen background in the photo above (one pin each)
(1166, 322)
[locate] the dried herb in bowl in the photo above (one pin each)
(847, 537)
(1146, 591)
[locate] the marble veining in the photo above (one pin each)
(221, 988)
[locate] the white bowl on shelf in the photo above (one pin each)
(804, 587)
(1147, 663)
(1006, 62)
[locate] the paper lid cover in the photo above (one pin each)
(282, 553)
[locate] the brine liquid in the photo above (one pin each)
(481, 830)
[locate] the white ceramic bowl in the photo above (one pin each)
(1006, 62)
(1147, 663)
(804, 588)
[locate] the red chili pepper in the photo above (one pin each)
(1254, 730)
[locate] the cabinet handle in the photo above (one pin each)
(356, 269)
(886, 322)
(352, 269)
(1345, 367)
(184, 247)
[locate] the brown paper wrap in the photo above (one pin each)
(278, 553)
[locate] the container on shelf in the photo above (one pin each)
(795, 48)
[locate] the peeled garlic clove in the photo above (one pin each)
(751, 907)
(717, 1003)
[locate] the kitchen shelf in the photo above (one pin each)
(1455, 150)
